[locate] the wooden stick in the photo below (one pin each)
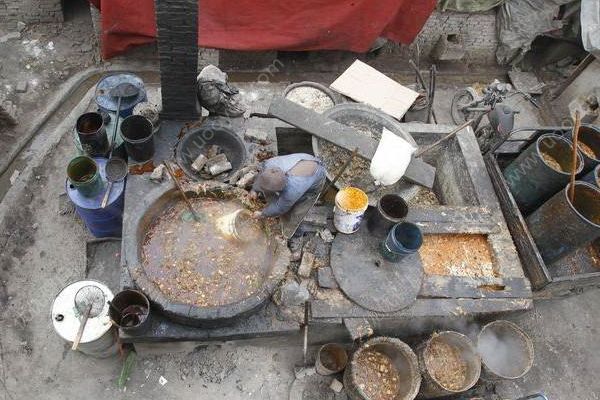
(82, 324)
(178, 185)
(574, 160)
(340, 172)
(448, 136)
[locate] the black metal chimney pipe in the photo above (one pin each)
(177, 29)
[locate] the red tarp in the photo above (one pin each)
(273, 24)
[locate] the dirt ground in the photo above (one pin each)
(41, 251)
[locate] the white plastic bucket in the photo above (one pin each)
(349, 211)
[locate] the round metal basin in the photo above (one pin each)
(370, 122)
(192, 273)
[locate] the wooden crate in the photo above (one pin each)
(571, 275)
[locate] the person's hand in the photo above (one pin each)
(257, 214)
(253, 195)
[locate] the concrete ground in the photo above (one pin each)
(41, 251)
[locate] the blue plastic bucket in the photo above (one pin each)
(402, 240)
(101, 222)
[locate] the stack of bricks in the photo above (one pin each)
(177, 26)
(30, 11)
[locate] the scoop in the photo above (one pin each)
(116, 170)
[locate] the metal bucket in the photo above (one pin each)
(99, 336)
(404, 360)
(390, 210)
(402, 240)
(84, 176)
(134, 307)
(589, 146)
(559, 227)
(331, 359)
(91, 131)
(350, 206)
(137, 133)
(432, 386)
(531, 178)
(101, 222)
(108, 103)
(506, 351)
(593, 176)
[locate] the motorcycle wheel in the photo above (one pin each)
(461, 99)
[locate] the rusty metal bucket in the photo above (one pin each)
(434, 387)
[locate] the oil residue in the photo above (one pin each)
(193, 263)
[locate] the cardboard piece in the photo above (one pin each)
(365, 84)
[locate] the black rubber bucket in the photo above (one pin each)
(137, 134)
(589, 146)
(130, 311)
(91, 131)
(390, 210)
(560, 226)
(540, 171)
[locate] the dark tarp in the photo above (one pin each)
(273, 24)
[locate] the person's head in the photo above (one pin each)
(271, 180)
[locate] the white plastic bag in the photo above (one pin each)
(391, 159)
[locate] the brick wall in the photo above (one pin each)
(30, 11)
(478, 32)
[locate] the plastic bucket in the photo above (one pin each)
(506, 351)
(435, 385)
(331, 359)
(540, 171)
(137, 133)
(134, 311)
(350, 206)
(403, 359)
(390, 210)
(91, 132)
(402, 240)
(84, 175)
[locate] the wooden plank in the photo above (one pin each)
(421, 308)
(530, 257)
(365, 84)
(344, 136)
(437, 286)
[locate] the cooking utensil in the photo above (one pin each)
(116, 170)
(178, 185)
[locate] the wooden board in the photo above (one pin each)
(346, 137)
(368, 279)
(365, 84)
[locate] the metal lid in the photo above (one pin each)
(107, 102)
(94, 203)
(66, 317)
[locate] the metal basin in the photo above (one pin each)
(171, 288)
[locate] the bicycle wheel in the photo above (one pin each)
(461, 98)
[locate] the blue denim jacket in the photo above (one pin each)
(296, 186)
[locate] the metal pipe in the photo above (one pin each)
(560, 226)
